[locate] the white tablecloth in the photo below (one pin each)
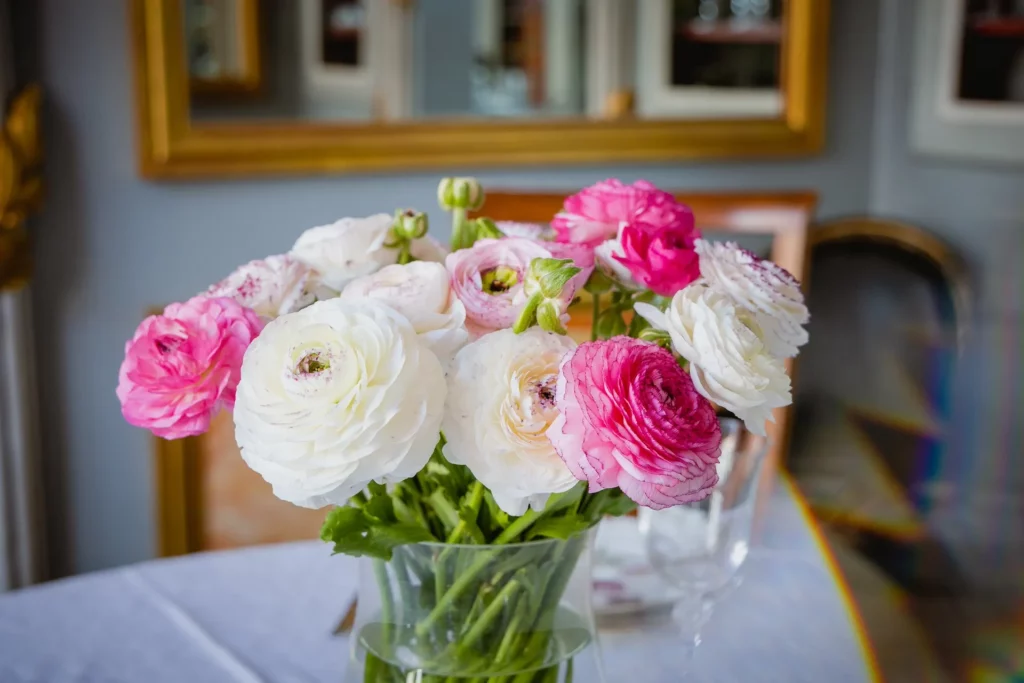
(266, 615)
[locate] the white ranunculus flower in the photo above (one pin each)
(428, 249)
(729, 363)
(335, 396)
(421, 292)
(760, 286)
(603, 259)
(501, 401)
(274, 286)
(346, 249)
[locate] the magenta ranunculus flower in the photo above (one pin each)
(182, 365)
(596, 213)
(629, 416)
(662, 259)
(488, 279)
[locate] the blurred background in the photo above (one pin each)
(182, 138)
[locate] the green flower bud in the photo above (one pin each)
(409, 224)
(549, 316)
(659, 337)
(487, 229)
(460, 193)
(549, 276)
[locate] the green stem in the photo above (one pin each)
(476, 499)
(596, 315)
(387, 611)
(466, 579)
(489, 615)
(459, 226)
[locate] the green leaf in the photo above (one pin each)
(618, 504)
(400, 534)
(377, 489)
(342, 522)
(565, 500)
(559, 527)
(380, 509)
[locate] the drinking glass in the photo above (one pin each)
(699, 548)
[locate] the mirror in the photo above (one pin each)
(563, 80)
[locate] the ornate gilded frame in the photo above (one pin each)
(21, 185)
(169, 146)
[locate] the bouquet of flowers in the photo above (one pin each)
(434, 399)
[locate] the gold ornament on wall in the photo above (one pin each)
(21, 188)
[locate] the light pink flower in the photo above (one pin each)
(183, 365)
(629, 416)
(595, 214)
(663, 258)
(582, 255)
(488, 279)
(273, 286)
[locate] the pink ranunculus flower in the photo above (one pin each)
(629, 416)
(182, 365)
(663, 258)
(488, 279)
(582, 255)
(596, 213)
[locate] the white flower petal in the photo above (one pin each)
(500, 406)
(335, 396)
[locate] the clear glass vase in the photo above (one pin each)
(438, 613)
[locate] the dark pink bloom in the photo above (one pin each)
(663, 258)
(596, 213)
(183, 365)
(629, 416)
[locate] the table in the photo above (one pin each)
(265, 614)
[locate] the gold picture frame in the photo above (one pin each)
(172, 146)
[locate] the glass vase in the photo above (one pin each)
(446, 613)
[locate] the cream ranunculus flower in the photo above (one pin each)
(762, 287)
(729, 363)
(271, 287)
(346, 249)
(421, 292)
(335, 396)
(501, 401)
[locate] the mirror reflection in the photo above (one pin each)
(396, 60)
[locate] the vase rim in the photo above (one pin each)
(503, 546)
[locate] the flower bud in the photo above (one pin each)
(549, 276)
(659, 337)
(409, 224)
(549, 316)
(487, 229)
(460, 193)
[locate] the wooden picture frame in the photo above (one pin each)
(171, 145)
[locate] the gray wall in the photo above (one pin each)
(111, 245)
(979, 208)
